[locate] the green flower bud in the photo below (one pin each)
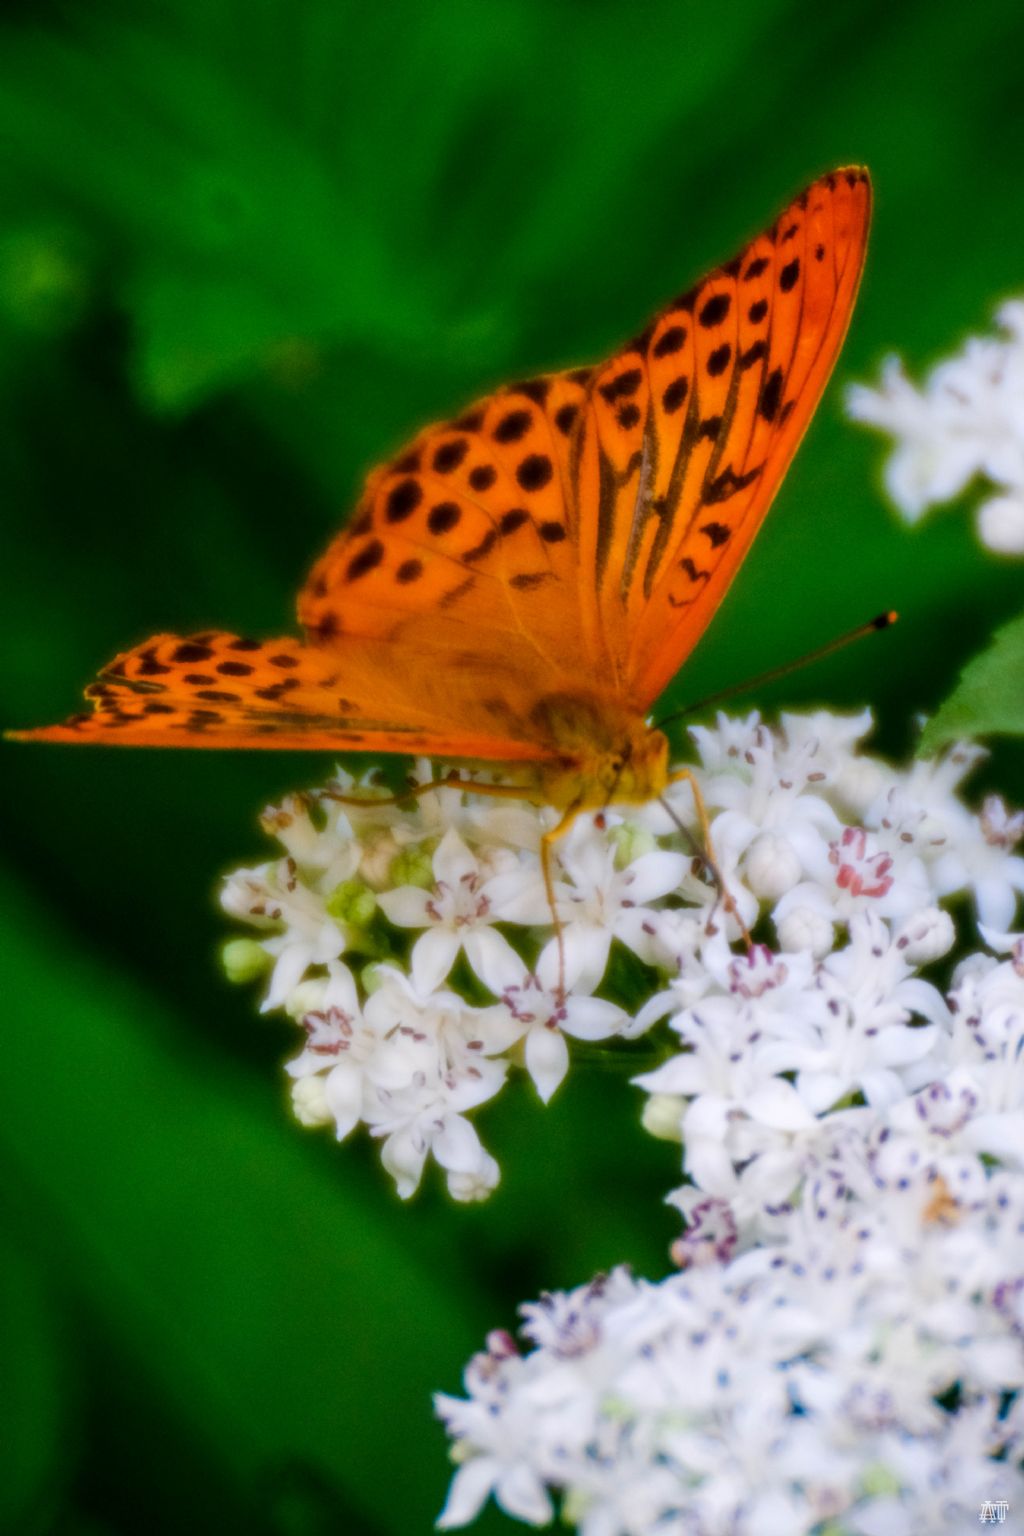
(243, 960)
(351, 903)
(629, 842)
(880, 1479)
(413, 866)
(371, 979)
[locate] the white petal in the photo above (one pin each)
(820, 1090)
(586, 955)
(521, 1493)
(453, 859)
(776, 1103)
(457, 1145)
(403, 1155)
(653, 875)
(1000, 1136)
(468, 1492)
(518, 896)
(547, 1059)
(340, 990)
(343, 1093)
(592, 1018)
(288, 972)
(901, 1044)
(997, 904)
(493, 959)
(433, 956)
(406, 907)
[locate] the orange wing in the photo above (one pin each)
(692, 428)
(592, 521)
(573, 532)
(223, 690)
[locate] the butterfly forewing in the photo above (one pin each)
(768, 329)
(569, 535)
(466, 534)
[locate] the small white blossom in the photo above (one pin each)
(458, 913)
(966, 420)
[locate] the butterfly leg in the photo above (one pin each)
(706, 853)
(415, 791)
(547, 845)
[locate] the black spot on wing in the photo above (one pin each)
(625, 384)
(534, 472)
(513, 426)
(717, 533)
(443, 517)
(771, 395)
(450, 455)
(719, 359)
(674, 394)
(403, 499)
(670, 341)
(789, 275)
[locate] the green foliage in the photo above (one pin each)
(989, 698)
(246, 249)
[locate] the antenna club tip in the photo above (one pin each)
(885, 620)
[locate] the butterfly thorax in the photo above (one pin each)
(608, 754)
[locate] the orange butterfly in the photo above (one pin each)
(521, 583)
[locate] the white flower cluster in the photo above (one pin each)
(413, 942)
(966, 421)
(844, 1344)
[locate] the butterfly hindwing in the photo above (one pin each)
(223, 690)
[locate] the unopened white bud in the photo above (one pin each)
(859, 784)
(772, 866)
(663, 1116)
(926, 936)
(971, 968)
(309, 1102)
(378, 853)
(1001, 524)
(476, 1184)
(805, 929)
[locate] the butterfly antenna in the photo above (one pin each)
(880, 621)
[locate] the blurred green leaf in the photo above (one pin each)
(33, 1394)
(989, 698)
(269, 1301)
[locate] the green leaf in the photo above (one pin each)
(269, 1297)
(989, 698)
(32, 1385)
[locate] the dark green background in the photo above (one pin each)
(247, 249)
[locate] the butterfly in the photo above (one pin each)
(521, 582)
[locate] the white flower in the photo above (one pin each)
(274, 895)
(536, 1010)
(966, 420)
(457, 914)
(979, 857)
(602, 902)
